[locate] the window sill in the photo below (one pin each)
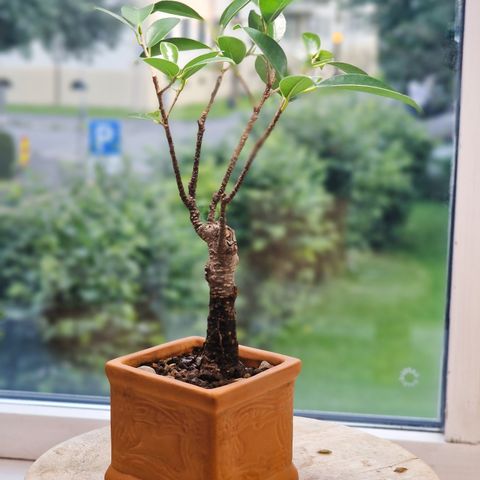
(13, 469)
(31, 428)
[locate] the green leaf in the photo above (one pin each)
(187, 73)
(232, 10)
(160, 29)
(154, 116)
(165, 66)
(261, 67)
(295, 85)
(312, 43)
(200, 62)
(255, 21)
(135, 15)
(117, 17)
(233, 48)
(271, 49)
(347, 68)
(271, 9)
(200, 59)
(176, 8)
(322, 58)
(169, 51)
(367, 84)
(183, 44)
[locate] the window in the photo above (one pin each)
(353, 277)
(202, 32)
(185, 26)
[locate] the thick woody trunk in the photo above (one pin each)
(221, 345)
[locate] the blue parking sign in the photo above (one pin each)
(105, 137)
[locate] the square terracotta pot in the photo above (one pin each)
(164, 429)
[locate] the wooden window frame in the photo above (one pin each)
(27, 428)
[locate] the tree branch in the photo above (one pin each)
(257, 147)
(189, 202)
(236, 154)
(171, 145)
(192, 187)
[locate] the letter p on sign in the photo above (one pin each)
(104, 137)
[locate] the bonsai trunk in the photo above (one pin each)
(221, 345)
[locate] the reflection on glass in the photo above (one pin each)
(97, 258)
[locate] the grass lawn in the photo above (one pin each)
(54, 110)
(182, 112)
(356, 335)
(220, 109)
(384, 315)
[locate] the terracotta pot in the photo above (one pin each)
(164, 429)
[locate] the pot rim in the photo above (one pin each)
(285, 370)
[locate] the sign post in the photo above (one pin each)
(104, 139)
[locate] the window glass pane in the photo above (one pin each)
(343, 224)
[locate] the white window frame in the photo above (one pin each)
(27, 429)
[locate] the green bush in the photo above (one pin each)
(113, 266)
(339, 173)
(103, 264)
(375, 154)
(7, 155)
(282, 215)
(286, 238)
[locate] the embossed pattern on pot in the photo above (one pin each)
(164, 428)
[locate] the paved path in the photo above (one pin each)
(61, 140)
(57, 140)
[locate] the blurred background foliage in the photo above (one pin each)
(417, 45)
(100, 261)
(342, 224)
(374, 156)
(8, 156)
(110, 264)
(71, 26)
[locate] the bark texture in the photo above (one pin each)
(221, 345)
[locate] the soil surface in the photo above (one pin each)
(196, 369)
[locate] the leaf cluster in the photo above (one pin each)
(258, 36)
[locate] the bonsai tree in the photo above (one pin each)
(258, 39)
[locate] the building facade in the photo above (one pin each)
(117, 78)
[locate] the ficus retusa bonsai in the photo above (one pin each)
(258, 39)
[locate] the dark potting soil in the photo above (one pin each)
(194, 368)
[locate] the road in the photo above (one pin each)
(61, 141)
